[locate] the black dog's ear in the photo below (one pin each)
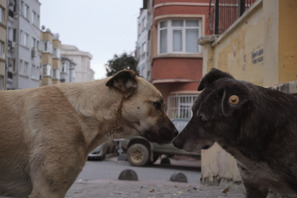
(211, 77)
(124, 81)
(234, 98)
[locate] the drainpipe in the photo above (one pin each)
(216, 17)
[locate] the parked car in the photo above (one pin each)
(141, 152)
(98, 153)
(107, 148)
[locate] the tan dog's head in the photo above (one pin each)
(142, 107)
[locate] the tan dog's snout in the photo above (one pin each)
(178, 141)
(164, 132)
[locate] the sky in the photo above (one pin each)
(101, 27)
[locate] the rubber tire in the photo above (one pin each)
(155, 158)
(138, 155)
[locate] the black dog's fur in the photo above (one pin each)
(258, 126)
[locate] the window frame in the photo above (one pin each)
(2, 52)
(169, 28)
(2, 15)
(180, 106)
(24, 39)
(47, 70)
(47, 46)
(26, 11)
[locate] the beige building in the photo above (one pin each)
(51, 59)
(260, 47)
(3, 23)
(82, 60)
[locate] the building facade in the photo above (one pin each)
(23, 40)
(51, 58)
(3, 48)
(82, 61)
(256, 50)
(67, 70)
(143, 67)
(175, 57)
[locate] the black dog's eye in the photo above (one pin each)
(158, 105)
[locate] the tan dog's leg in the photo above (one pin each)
(53, 174)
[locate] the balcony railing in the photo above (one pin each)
(225, 12)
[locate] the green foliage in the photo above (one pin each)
(119, 63)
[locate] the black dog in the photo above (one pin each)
(258, 126)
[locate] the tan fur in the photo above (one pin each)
(46, 133)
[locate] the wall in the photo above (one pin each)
(260, 48)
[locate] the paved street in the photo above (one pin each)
(150, 189)
(100, 179)
(111, 168)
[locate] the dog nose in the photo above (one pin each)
(175, 133)
(177, 143)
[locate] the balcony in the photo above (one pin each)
(226, 12)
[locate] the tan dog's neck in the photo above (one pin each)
(95, 105)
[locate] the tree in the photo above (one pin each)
(119, 63)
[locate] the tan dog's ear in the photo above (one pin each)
(124, 81)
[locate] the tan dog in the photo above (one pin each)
(46, 133)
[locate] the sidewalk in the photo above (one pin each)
(150, 189)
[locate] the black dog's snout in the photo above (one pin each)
(177, 143)
(175, 133)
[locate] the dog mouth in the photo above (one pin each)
(206, 147)
(153, 138)
(163, 136)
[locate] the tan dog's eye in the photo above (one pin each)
(158, 105)
(234, 99)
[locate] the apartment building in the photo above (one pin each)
(141, 44)
(67, 70)
(3, 49)
(174, 56)
(82, 61)
(23, 39)
(51, 58)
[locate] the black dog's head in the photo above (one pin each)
(216, 112)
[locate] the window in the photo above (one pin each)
(47, 46)
(65, 67)
(33, 17)
(47, 70)
(11, 65)
(21, 65)
(1, 83)
(11, 34)
(35, 72)
(1, 49)
(24, 38)
(179, 36)
(33, 43)
(180, 106)
(1, 15)
(56, 53)
(25, 11)
(56, 74)
(24, 68)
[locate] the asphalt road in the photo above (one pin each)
(111, 168)
(100, 179)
